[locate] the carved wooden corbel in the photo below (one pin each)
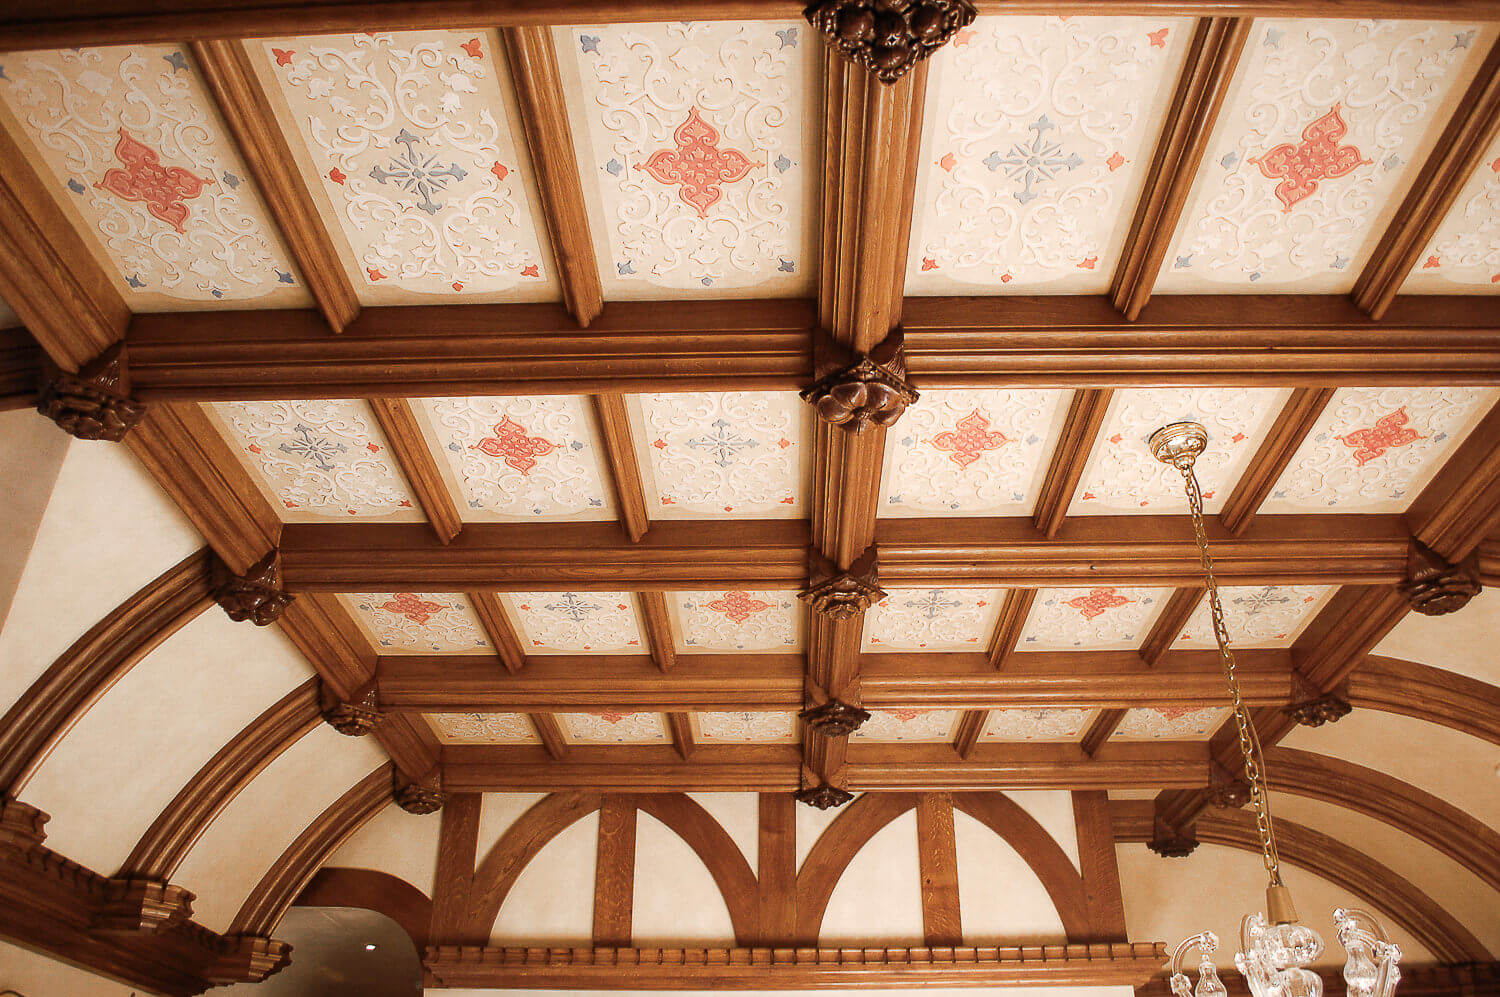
(1227, 790)
(1312, 708)
(1436, 586)
(834, 718)
(356, 718)
(888, 37)
(22, 826)
(256, 595)
(419, 797)
(95, 403)
(1168, 839)
(823, 796)
(837, 594)
(857, 391)
(248, 959)
(142, 905)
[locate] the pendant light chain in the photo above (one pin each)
(1249, 740)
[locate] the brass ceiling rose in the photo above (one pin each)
(1178, 444)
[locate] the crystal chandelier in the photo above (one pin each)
(1275, 950)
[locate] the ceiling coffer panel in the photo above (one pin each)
(736, 621)
(419, 622)
(1464, 254)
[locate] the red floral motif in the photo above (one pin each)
(1158, 37)
(698, 165)
(1318, 157)
(738, 606)
(163, 188)
(971, 440)
(947, 162)
(928, 263)
(500, 170)
(609, 718)
(337, 175)
(1388, 431)
(907, 716)
(1170, 713)
(1115, 161)
(1096, 602)
(408, 605)
(473, 47)
(511, 442)
(283, 56)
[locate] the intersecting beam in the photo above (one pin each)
(1212, 56)
(1080, 430)
(1452, 161)
(398, 422)
(1293, 423)
(684, 554)
(230, 78)
(496, 625)
(613, 426)
(452, 683)
(1170, 623)
(1052, 341)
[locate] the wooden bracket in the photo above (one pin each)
(1436, 586)
(1225, 789)
(837, 594)
(856, 390)
(134, 905)
(885, 37)
(355, 718)
(1168, 839)
(823, 796)
(95, 403)
(1312, 708)
(249, 959)
(834, 718)
(420, 797)
(256, 595)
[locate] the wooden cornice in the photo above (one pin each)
(1287, 433)
(775, 768)
(999, 552)
(771, 682)
(1349, 869)
(230, 78)
(166, 843)
(1469, 842)
(291, 872)
(94, 663)
(1053, 341)
(1458, 152)
(1212, 56)
(20, 369)
(549, 138)
(1424, 693)
(398, 421)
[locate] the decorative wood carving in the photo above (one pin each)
(840, 595)
(354, 718)
(420, 798)
(1311, 708)
(1226, 790)
(22, 826)
(823, 796)
(834, 718)
(95, 403)
(1169, 838)
(888, 37)
(1435, 586)
(249, 959)
(132, 905)
(856, 391)
(256, 596)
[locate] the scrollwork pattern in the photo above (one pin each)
(932, 620)
(483, 728)
(908, 725)
(737, 620)
(1465, 249)
(1169, 723)
(747, 728)
(419, 622)
(615, 728)
(1257, 615)
(1093, 619)
(570, 622)
(1036, 724)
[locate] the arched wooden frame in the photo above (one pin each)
(1422, 692)
(340, 886)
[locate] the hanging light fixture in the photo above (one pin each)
(1275, 950)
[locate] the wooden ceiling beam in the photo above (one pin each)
(230, 79)
(398, 421)
(1286, 435)
(771, 554)
(551, 734)
(1170, 623)
(612, 423)
(1212, 56)
(20, 369)
(1080, 431)
(508, 648)
(768, 683)
(1455, 157)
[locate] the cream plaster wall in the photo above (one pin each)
(139, 745)
(1462, 642)
(107, 531)
(1053, 809)
(676, 900)
(880, 894)
(31, 454)
(999, 897)
(552, 899)
(739, 815)
(497, 812)
(811, 823)
(394, 841)
(35, 975)
(255, 829)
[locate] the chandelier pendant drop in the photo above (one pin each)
(1275, 950)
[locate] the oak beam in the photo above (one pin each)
(1080, 431)
(937, 860)
(681, 725)
(614, 872)
(398, 421)
(613, 424)
(508, 647)
(1101, 729)
(1212, 56)
(658, 629)
(1170, 623)
(551, 734)
(1286, 435)
(1455, 157)
(231, 80)
(1098, 865)
(1425, 693)
(20, 369)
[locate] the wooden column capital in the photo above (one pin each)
(420, 797)
(840, 594)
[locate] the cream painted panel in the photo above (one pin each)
(999, 898)
(402, 844)
(1168, 899)
(31, 455)
(739, 815)
(1053, 809)
(497, 813)
(107, 531)
(879, 896)
(811, 823)
(255, 829)
(676, 899)
(130, 755)
(1455, 888)
(1461, 642)
(552, 900)
(1456, 767)
(31, 973)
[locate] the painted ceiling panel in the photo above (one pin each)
(699, 155)
(575, 622)
(520, 458)
(706, 622)
(1325, 126)
(1121, 475)
(972, 451)
(1464, 254)
(319, 459)
(134, 150)
(1040, 131)
(1094, 619)
(933, 620)
(1036, 724)
(1257, 615)
(1170, 723)
(418, 622)
(929, 726)
(1373, 449)
(746, 728)
(738, 454)
(483, 728)
(407, 142)
(614, 728)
